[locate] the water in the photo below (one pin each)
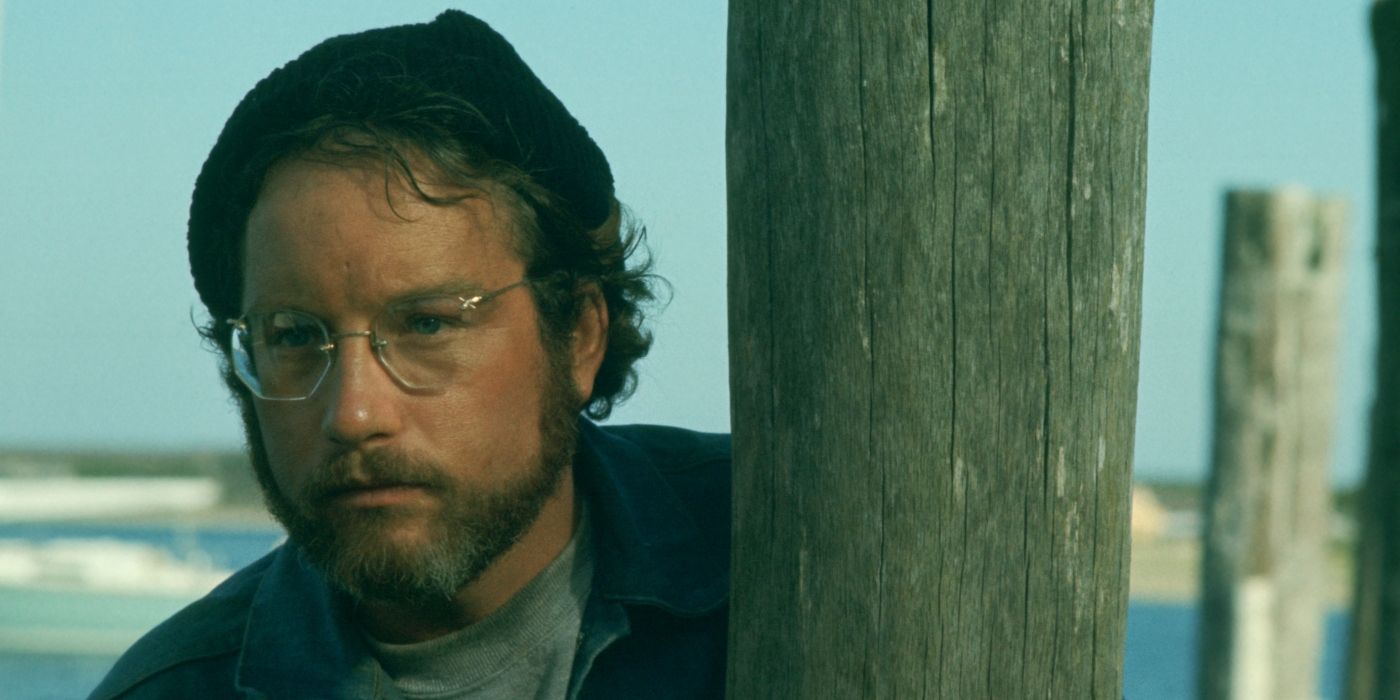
(50, 676)
(1159, 661)
(224, 547)
(104, 622)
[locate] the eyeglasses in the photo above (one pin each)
(423, 343)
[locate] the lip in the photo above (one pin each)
(377, 495)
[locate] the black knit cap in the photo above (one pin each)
(522, 123)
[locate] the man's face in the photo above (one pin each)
(399, 494)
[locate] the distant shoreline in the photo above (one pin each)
(1162, 570)
(1165, 565)
(246, 516)
(1168, 570)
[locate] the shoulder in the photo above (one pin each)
(203, 637)
(695, 465)
(676, 450)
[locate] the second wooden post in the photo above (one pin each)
(1268, 500)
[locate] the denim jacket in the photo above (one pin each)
(655, 624)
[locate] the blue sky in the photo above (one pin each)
(108, 109)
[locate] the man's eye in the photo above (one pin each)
(292, 336)
(420, 319)
(426, 325)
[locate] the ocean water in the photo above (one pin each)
(1158, 664)
(224, 547)
(99, 625)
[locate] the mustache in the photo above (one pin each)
(381, 468)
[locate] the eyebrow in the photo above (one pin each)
(450, 288)
(455, 287)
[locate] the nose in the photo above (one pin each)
(361, 399)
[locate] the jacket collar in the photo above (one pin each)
(299, 642)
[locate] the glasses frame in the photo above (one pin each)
(242, 362)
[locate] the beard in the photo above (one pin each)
(473, 528)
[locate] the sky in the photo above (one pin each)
(107, 110)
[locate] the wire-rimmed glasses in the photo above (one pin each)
(422, 342)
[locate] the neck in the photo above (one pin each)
(398, 623)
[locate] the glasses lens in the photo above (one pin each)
(279, 356)
(425, 342)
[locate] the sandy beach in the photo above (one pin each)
(1169, 570)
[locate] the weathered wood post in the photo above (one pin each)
(1268, 501)
(935, 251)
(1373, 669)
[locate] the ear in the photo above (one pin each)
(589, 341)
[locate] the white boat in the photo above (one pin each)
(91, 596)
(62, 498)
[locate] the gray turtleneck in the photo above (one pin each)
(523, 650)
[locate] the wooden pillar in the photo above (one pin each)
(1268, 500)
(1373, 670)
(935, 261)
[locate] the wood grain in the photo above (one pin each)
(935, 255)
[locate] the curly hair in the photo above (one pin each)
(407, 115)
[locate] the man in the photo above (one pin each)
(419, 277)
